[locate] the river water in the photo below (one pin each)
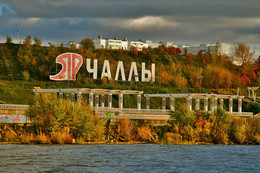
(129, 158)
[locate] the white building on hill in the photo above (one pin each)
(223, 49)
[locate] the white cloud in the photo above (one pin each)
(146, 23)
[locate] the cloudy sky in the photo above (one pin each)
(179, 21)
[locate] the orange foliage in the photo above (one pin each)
(165, 76)
(144, 52)
(245, 80)
(33, 62)
(206, 59)
(171, 50)
(188, 67)
(199, 53)
(144, 132)
(134, 50)
(217, 77)
(195, 82)
(202, 122)
(47, 73)
(190, 58)
(161, 49)
(25, 42)
(185, 51)
(178, 50)
(125, 129)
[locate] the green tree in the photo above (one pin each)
(87, 43)
(9, 39)
(28, 40)
(51, 115)
(37, 41)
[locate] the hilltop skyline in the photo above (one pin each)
(180, 22)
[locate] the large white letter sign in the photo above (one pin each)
(120, 67)
(144, 72)
(153, 72)
(106, 72)
(94, 69)
(71, 63)
(133, 69)
(150, 74)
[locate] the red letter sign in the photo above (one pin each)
(71, 63)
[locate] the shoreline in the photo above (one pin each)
(122, 143)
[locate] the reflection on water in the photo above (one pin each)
(129, 158)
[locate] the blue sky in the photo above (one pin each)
(179, 21)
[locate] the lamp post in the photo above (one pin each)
(200, 78)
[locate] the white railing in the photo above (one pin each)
(243, 114)
(133, 111)
(11, 106)
(146, 111)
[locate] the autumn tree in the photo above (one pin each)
(51, 115)
(178, 50)
(190, 58)
(9, 39)
(171, 50)
(37, 41)
(217, 77)
(206, 58)
(199, 53)
(144, 52)
(242, 53)
(87, 43)
(134, 50)
(28, 40)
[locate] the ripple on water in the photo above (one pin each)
(129, 158)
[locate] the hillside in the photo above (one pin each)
(25, 66)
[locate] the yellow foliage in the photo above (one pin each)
(125, 129)
(27, 138)
(257, 138)
(144, 132)
(179, 81)
(172, 138)
(42, 139)
(57, 138)
(9, 136)
(240, 134)
(189, 134)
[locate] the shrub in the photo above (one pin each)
(144, 132)
(172, 138)
(51, 114)
(27, 138)
(125, 129)
(219, 133)
(10, 136)
(57, 138)
(42, 139)
(68, 139)
(189, 134)
(183, 116)
(238, 130)
(257, 138)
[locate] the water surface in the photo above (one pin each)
(129, 158)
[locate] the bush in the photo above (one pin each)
(42, 139)
(172, 138)
(27, 138)
(51, 114)
(144, 133)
